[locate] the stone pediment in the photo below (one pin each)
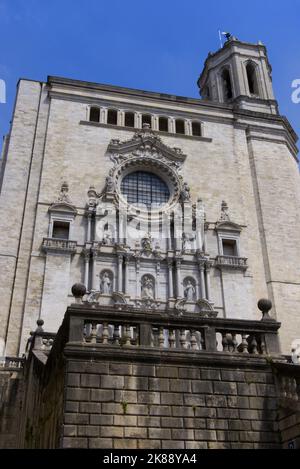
(228, 226)
(146, 143)
(63, 207)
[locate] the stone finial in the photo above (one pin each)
(39, 328)
(265, 305)
(78, 291)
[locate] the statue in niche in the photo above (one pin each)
(106, 240)
(147, 288)
(105, 285)
(147, 242)
(187, 241)
(185, 193)
(189, 291)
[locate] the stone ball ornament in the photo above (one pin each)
(265, 305)
(78, 290)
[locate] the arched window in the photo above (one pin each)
(129, 119)
(227, 86)
(112, 117)
(252, 79)
(196, 129)
(163, 124)
(179, 125)
(94, 114)
(146, 119)
(141, 187)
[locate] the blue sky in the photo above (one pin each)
(157, 45)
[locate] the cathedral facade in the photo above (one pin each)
(152, 201)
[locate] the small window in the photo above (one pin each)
(252, 81)
(94, 114)
(227, 86)
(129, 119)
(180, 127)
(112, 117)
(146, 119)
(229, 247)
(61, 230)
(163, 124)
(196, 129)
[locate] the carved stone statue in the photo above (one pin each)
(110, 184)
(187, 241)
(224, 212)
(107, 237)
(185, 193)
(147, 242)
(105, 285)
(147, 288)
(63, 195)
(189, 291)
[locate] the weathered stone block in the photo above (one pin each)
(160, 410)
(102, 395)
(90, 381)
(73, 379)
(189, 373)
(126, 396)
(78, 394)
(202, 387)
(172, 422)
(171, 444)
(159, 433)
(180, 385)
(171, 398)
(149, 398)
(100, 443)
(210, 374)
(113, 382)
(125, 420)
(149, 444)
(69, 442)
(143, 370)
(120, 369)
(245, 389)
(90, 407)
(112, 432)
(194, 400)
(158, 384)
(70, 430)
(225, 388)
(205, 435)
(88, 430)
(149, 421)
(102, 419)
(167, 372)
(135, 432)
(136, 383)
(77, 419)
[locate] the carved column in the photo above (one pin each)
(120, 272)
(178, 279)
(207, 271)
(103, 115)
(170, 272)
(202, 279)
(138, 120)
(127, 259)
(154, 122)
(121, 118)
(137, 278)
(172, 127)
(187, 127)
(86, 268)
(94, 254)
(89, 228)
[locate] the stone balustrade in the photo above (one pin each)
(11, 362)
(233, 262)
(59, 245)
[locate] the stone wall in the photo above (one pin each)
(134, 405)
(11, 394)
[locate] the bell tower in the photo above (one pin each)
(239, 73)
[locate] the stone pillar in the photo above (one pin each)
(138, 120)
(89, 228)
(207, 271)
(126, 275)
(187, 127)
(94, 283)
(120, 273)
(202, 279)
(172, 128)
(103, 115)
(170, 272)
(155, 123)
(86, 268)
(178, 279)
(121, 118)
